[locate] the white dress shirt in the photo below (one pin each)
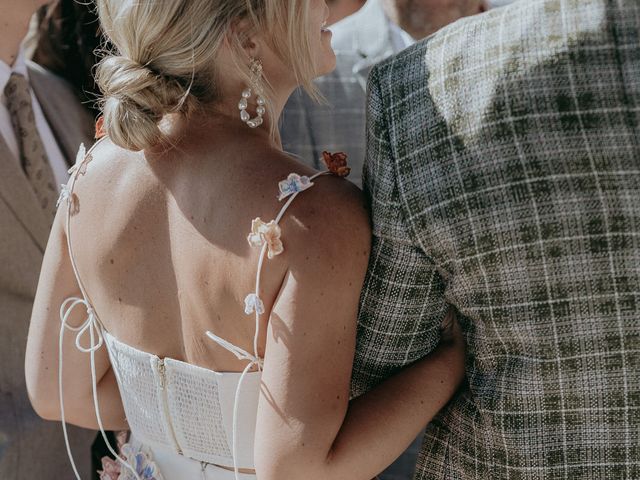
(56, 158)
(399, 38)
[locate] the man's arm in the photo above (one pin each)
(402, 305)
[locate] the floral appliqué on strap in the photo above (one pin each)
(336, 163)
(65, 195)
(140, 460)
(262, 234)
(252, 303)
(82, 160)
(293, 184)
(269, 234)
(266, 233)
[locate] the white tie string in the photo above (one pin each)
(96, 339)
(253, 361)
(89, 325)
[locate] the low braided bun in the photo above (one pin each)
(166, 52)
(135, 100)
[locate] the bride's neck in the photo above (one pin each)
(229, 111)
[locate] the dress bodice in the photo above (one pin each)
(186, 408)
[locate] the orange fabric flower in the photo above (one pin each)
(336, 163)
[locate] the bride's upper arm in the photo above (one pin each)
(312, 329)
(57, 283)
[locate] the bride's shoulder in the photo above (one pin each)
(104, 156)
(329, 218)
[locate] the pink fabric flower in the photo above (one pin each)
(139, 459)
(110, 469)
(121, 438)
(266, 233)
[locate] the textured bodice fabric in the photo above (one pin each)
(185, 408)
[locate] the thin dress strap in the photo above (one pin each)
(91, 325)
(266, 236)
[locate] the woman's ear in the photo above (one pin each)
(244, 32)
(251, 45)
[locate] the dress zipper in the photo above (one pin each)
(165, 402)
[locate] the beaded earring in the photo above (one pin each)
(255, 86)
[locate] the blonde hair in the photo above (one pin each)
(164, 57)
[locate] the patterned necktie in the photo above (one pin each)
(33, 155)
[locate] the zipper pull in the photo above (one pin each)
(161, 371)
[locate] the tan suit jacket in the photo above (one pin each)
(30, 447)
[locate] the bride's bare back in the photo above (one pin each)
(161, 239)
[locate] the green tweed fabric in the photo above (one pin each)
(503, 171)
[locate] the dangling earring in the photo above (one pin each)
(256, 77)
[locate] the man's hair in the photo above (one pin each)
(68, 36)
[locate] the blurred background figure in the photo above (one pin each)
(381, 28)
(421, 18)
(41, 126)
(342, 8)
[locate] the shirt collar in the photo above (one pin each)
(19, 66)
(399, 37)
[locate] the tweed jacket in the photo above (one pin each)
(30, 447)
(307, 128)
(503, 172)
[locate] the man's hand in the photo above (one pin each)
(450, 331)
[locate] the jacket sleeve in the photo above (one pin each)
(402, 304)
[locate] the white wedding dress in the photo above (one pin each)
(186, 422)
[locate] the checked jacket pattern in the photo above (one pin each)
(503, 173)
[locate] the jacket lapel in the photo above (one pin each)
(71, 125)
(17, 193)
(70, 122)
(373, 40)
